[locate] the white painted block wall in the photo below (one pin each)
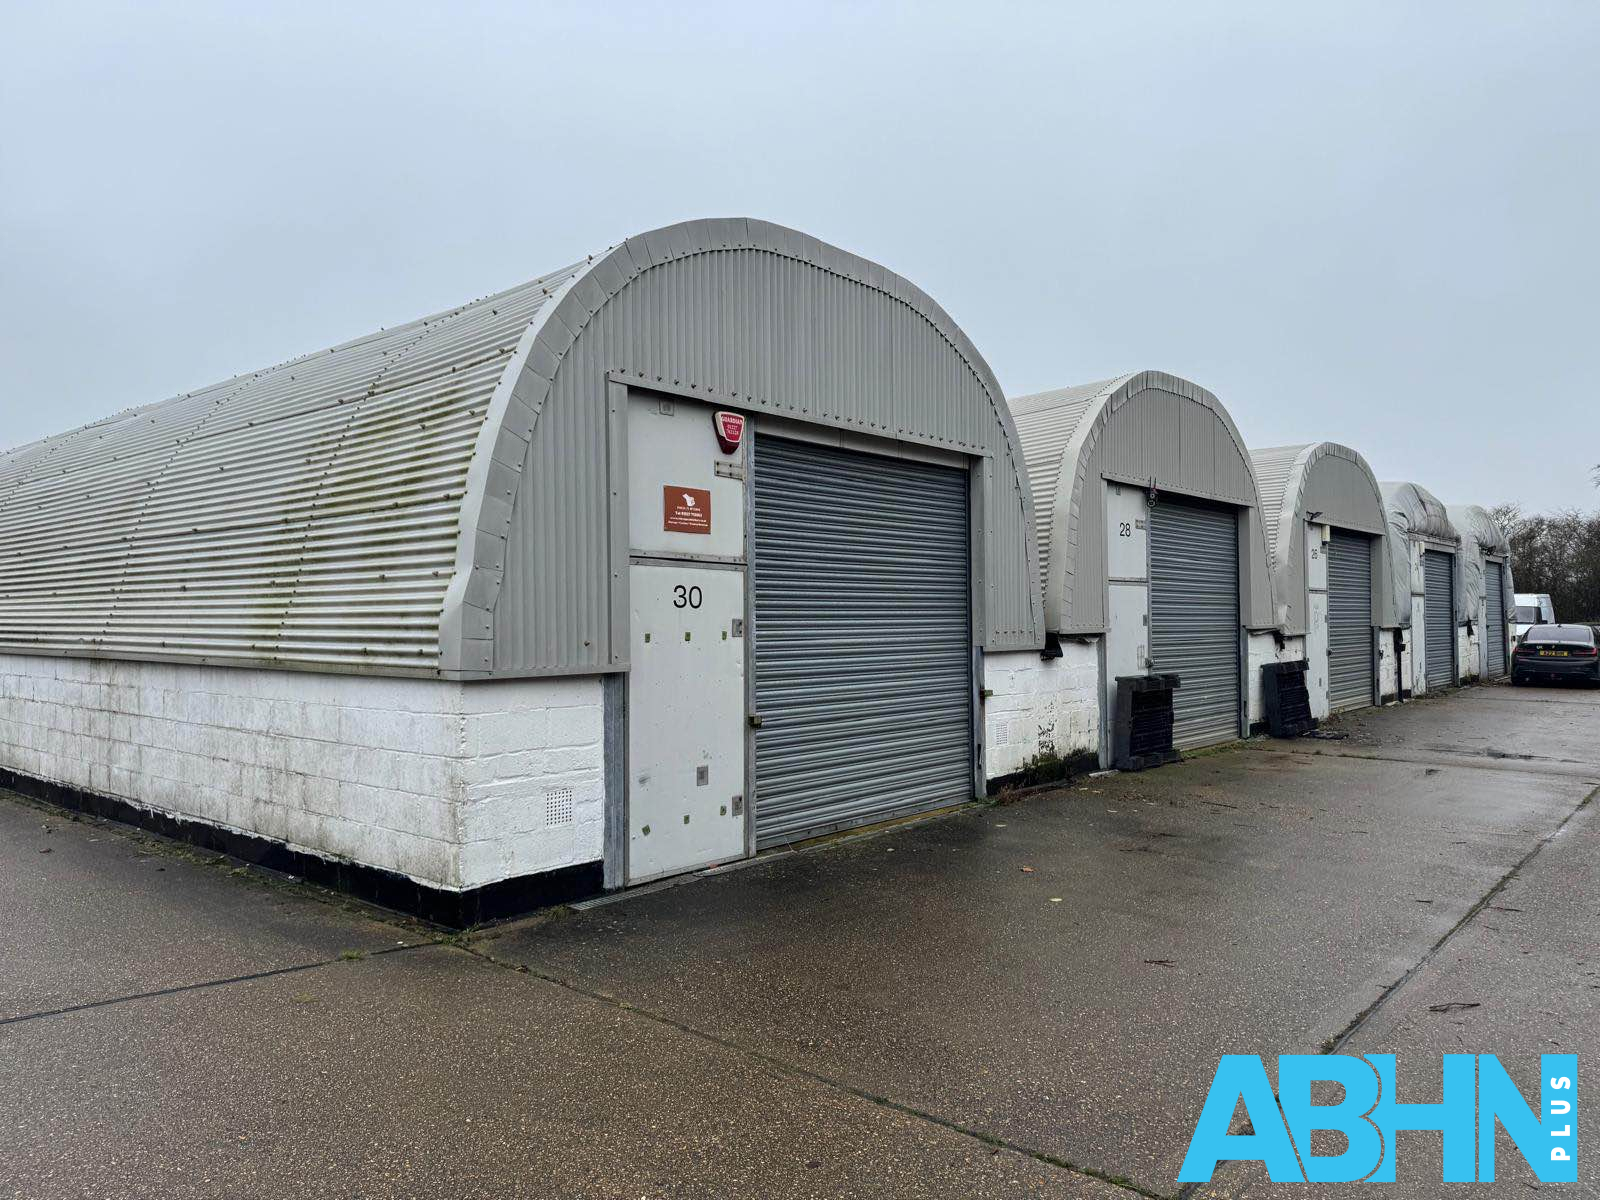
(1391, 671)
(454, 785)
(531, 774)
(1263, 649)
(1040, 706)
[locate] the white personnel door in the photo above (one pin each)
(686, 674)
(685, 719)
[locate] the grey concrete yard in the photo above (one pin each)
(1021, 999)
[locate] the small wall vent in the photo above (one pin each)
(558, 806)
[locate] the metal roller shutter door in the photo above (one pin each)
(863, 639)
(1350, 679)
(1194, 617)
(1495, 617)
(1439, 618)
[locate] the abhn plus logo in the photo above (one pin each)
(1477, 1092)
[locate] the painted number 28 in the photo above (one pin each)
(683, 597)
(1125, 529)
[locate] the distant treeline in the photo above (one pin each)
(1557, 553)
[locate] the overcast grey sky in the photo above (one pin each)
(1374, 223)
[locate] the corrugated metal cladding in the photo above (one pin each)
(1351, 669)
(1141, 428)
(1047, 424)
(1438, 615)
(353, 510)
(1494, 621)
(862, 639)
(1336, 484)
(1413, 515)
(758, 318)
(1194, 617)
(301, 515)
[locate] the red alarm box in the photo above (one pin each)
(730, 430)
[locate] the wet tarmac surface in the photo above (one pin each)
(1023, 999)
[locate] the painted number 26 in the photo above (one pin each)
(683, 597)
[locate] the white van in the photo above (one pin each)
(1533, 608)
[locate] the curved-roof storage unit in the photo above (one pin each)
(1413, 514)
(432, 499)
(1148, 429)
(1481, 537)
(1325, 482)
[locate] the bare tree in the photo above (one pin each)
(1557, 553)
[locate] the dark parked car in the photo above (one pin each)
(1552, 652)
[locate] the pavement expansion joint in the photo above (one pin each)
(775, 1063)
(204, 984)
(1331, 1046)
(1478, 760)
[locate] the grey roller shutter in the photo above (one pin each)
(1495, 618)
(1439, 618)
(1350, 679)
(1194, 617)
(863, 639)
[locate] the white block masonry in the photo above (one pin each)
(1390, 671)
(1263, 649)
(1040, 707)
(531, 771)
(454, 785)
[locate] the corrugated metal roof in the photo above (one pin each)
(1412, 511)
(729, 311)
(305, 514)
(1147, 427)
(1273, 467)
(1046, 425)
(1335, 482)
(352, 510)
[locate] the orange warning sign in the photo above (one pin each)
(686, 510)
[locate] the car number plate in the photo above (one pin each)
(1552, 654)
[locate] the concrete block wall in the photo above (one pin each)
(1263, 648)
(1040, 706)
(1417, 644)
(447, 783)
(1390, 670)
(532, 775)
